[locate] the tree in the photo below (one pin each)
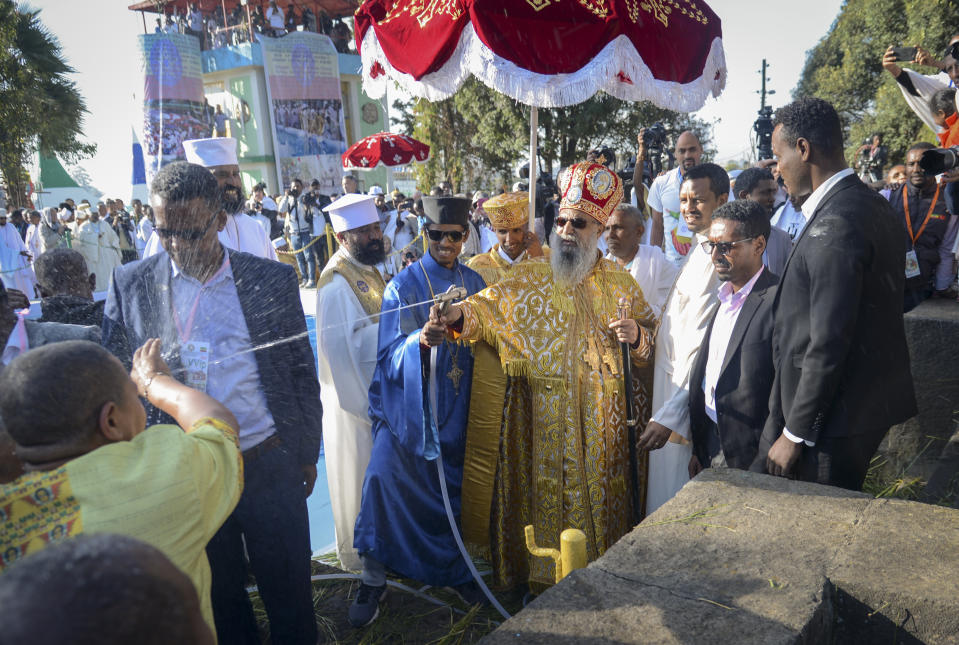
(40, 108)
(845, 67)
(479, 134)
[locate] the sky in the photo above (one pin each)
(98, 38)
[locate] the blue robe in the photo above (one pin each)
(402, 521)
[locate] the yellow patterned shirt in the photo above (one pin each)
(169, 488)
(562, 450)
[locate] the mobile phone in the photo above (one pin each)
(906, 54)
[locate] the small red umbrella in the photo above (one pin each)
(385, 149)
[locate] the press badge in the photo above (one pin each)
(912, 264)
(195, 356)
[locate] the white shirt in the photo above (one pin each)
(217, 318)
(506, 256)
(664, 197)
(789, 219)
(17, 344)
(730, 304)
(811, 204)
(808, 209)
(654, 274)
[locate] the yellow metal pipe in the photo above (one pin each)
(570, 556)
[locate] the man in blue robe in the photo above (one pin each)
(402, 523)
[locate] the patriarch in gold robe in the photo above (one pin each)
(559, 457)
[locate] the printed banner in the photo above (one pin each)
(309, 130)
(173, 108)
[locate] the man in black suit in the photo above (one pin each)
(839, 345)
(733, 372)
(232, 325)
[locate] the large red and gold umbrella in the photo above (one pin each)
(545, 53)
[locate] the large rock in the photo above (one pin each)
(913, 447)
(738, 557)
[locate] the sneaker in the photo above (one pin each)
(310, 285)
(366, 605)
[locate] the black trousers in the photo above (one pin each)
(271, 519)
(833, 461)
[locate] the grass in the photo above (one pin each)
(405, 618)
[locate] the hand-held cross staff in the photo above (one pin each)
(631, 420)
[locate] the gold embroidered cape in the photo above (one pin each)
(561, 459)
(366, 282)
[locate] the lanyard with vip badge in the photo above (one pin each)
(912, 260)
(195, 354)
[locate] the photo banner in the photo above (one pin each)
(309, 129)
(173, 107)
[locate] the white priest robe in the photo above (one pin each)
(99, 245)
(654, 274)
(690, 304)
(32, 241)
(241, 233)
(15, 268)
(346, 358)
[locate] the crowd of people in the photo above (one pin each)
(472, 374)
(217, 29)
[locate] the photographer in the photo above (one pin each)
(871, 159)
(261, 210)
(299, 227)
(316, 201)
(918, 89)
(663, 200)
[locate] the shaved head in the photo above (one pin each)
(53, 394)
(689, 151)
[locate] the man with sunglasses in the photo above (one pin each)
(685, 317)
(733, 372)
(560, 458)
(232, 325)
(402, 523)
(239, 231)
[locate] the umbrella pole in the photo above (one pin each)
(533, 166)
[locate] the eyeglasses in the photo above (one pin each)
(577, 222)
(724, 248)
(452, 236)
(185, 233)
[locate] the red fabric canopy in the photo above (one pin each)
(385, 149)
(546, 53)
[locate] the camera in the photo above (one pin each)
(545, 187)
(654, 140)
(763, 127)
(939, 160)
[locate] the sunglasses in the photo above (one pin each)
(724, 248)
(452, 236)
(577, 222)
(185, 233)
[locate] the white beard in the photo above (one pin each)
(571, 265)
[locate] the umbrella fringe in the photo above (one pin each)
(604, 72)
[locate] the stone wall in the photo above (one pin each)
(738, 557)
(912, 448)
